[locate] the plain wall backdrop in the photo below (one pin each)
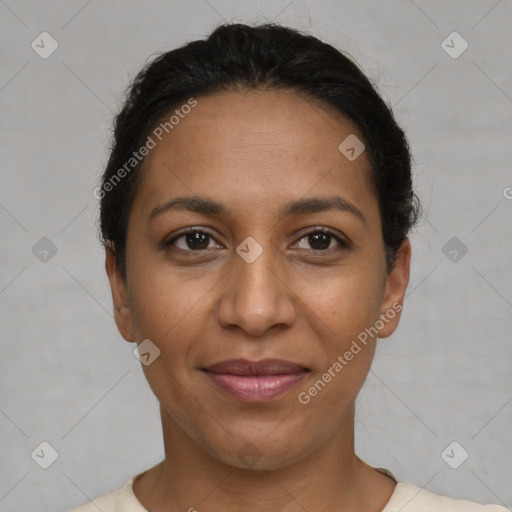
(70, 380)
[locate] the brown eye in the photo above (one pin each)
(321, 240)
(197, 241)
(192, 240)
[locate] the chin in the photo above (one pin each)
(258, 452)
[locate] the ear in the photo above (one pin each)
(122, 312)
(396, 286)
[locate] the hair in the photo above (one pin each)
(265, 57)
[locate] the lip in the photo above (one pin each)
(256, 381)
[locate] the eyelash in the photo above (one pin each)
(343, 244)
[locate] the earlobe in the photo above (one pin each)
(120, 299)
(396, 286)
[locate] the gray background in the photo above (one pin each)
(68, 378)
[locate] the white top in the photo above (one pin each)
(406, 497)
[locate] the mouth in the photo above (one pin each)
(255, 381)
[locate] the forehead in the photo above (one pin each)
(252, 146)
(269, 121)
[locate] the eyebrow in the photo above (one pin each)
(206, 206)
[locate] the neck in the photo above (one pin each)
(330, 477)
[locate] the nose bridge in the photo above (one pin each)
(257, 297)
(258, 277)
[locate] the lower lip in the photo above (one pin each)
(255, 388)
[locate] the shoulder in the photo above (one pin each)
(408, 497)
(106, 503)
(121, 500)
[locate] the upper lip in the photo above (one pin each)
(263, 367)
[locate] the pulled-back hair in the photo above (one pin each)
(269, 57)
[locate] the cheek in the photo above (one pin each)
(166, 309)
(164, 300)
(348, 301)
(170, 313)
(347, 307)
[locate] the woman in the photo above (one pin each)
(255, 211)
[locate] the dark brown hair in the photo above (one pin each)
(268, 56)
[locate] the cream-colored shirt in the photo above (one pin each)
(406, 497)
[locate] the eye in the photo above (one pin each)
(322, 239)
(192, 240)
(196, 240)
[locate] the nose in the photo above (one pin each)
(256, 296)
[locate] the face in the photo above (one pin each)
(252, 237)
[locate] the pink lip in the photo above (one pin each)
(252, 381)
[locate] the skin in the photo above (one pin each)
(255, 151)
